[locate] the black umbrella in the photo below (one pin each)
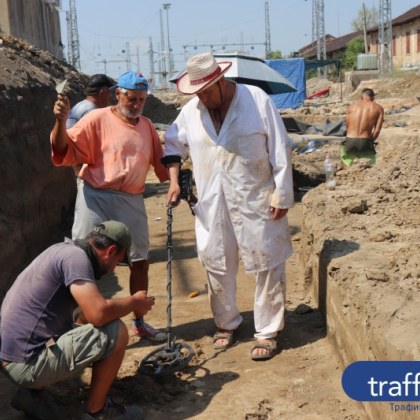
(252, 71)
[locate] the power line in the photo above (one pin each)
(223, 46)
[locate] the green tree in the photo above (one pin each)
(372, 18)
(353, 49)
(274, 55)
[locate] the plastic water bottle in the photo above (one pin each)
(329, 173)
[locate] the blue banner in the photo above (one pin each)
(293, 69)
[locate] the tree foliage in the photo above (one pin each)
(354, 48)
(372, 19)
(274, 55)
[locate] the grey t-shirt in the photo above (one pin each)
(39, 305)
(78, 111)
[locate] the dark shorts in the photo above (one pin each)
(67, 357)
(352, 148)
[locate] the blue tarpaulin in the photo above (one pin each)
(293, 69)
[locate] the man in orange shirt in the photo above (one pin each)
(98, 94)
(116, 145)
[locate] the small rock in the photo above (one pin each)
(377, 275)
(381, 236)
(355, 206)
(303, 309)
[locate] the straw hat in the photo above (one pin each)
(202, 71)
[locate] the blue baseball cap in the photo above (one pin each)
(131, 80)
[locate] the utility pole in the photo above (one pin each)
(127, 56)
(138, 57)
(319, 24)
(69, 50)
(73, 54)
(364, 28)
(151, 59)
(161, 58)
(314, 17)
(166, 7)
(267, 32)
(385, 38)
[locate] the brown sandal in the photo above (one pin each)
(223, 335)
(270, 345)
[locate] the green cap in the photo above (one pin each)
(118, 232)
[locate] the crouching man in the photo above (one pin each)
(38, 344)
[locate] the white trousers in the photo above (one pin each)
(269, 298)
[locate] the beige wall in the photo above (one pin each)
(407, 35)
(4, 17)
(36, 21)
(401, 58)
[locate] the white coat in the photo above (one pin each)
(239, 173)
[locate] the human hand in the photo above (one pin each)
(61, 108)
(173, 194)
(142, 303)
(277, 214)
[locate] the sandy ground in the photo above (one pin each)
(301, 382)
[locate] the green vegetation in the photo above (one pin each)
(353, 49)
(274, 55)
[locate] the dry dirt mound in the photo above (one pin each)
(159, 111)
(381, 204)
(23, 66)
(36, 197)
(360, 247)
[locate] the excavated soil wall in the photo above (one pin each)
(36, 198)
(359, 248)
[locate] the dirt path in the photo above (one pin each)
(302, 382)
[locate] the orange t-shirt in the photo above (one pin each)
(116, 155)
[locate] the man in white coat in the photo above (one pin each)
(242, 168)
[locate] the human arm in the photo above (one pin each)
(347, 119)
(175, 151)
(174, 188)
(99, 311)
(83, 140)
(160, 169)
(280, 158)
(378, 125)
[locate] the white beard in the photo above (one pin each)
(128, 114)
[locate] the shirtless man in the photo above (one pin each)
(364, 122)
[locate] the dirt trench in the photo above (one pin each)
(301, 382)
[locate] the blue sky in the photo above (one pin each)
(107, 27)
